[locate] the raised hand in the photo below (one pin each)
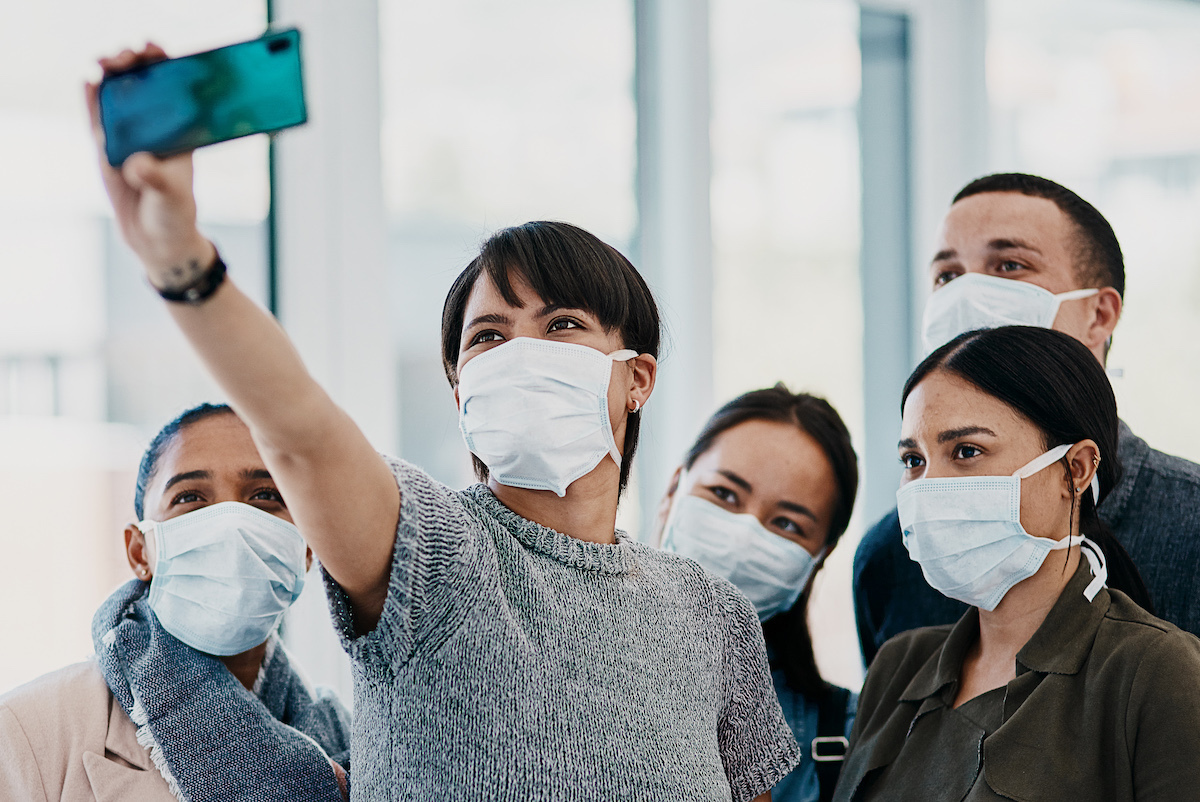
(152, 197)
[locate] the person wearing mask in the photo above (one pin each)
(1051, 686)
(761, 499)
(507, 643)
(190, 694)
(1020, 249)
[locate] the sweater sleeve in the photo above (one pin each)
(1163, 721)
(432, 559)
(756, 743)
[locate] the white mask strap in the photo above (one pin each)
(623, 355)
(1049, 458)
(1072, 295)
(1095, 558)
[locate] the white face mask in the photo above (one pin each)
(976, 301)
(768, 569)
(536, 411)
(966, 534)
(224, 575)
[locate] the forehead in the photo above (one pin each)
(943, 401)
(217, 444)
(771, 455)
(980, 219)
(485, 297)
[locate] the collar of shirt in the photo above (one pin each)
(1059, 646)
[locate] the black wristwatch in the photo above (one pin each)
(200, 288)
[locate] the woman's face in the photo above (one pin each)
(490, 321)
(208, 462)
(952, 428)
(773, 471)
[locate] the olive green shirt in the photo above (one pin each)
(1105, 706)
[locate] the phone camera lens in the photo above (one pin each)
(278, 45)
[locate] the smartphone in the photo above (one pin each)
(186, 103)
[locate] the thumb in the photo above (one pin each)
(143, 171)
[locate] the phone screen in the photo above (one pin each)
(185, 103)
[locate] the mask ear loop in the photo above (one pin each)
(1099, 566)
(622, 355)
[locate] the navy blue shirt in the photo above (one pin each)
(1154, 511)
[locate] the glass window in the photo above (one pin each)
(785, 212)
(1102, 96)
(90, 366)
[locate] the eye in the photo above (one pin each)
(944, 277)
(1009, 266)
(269, 494)
(911, 460)
(784, 524)
(564, 323)
(186, 497)
(485, 336)
(724, 494)
(966, 451)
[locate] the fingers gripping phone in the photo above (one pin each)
(185, 103)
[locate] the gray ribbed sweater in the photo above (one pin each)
(512, 662)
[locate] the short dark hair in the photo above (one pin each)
(166, 435)
(787, 632)
(567, 266)
(1098, 258)
(1055, 382)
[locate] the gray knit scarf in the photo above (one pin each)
(210, 737)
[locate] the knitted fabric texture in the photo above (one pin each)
(210, 737)
(512, 662)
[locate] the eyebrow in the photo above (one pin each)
(257, 473)
(186, 476)
(966, 431)
(1011, 244)
(491, 317)
(949, 435)
(792, 506)
(189, 476)
(994, 245)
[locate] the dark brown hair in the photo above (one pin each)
(565, 266)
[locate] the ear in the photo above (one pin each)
(1105, 312)
(457, 402)
(643, 371)
(139, 552)
(664, 506)
(307, 559)
(1084, 459)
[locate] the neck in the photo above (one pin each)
(1003, 632)
(245, 666)
(587, 512)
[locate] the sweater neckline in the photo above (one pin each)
(606, 558)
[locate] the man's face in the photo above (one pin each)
(1018, 237)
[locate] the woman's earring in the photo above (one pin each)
(636, 406)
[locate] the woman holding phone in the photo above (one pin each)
(507, 642)
(1052, 686)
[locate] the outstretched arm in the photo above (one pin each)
(341, 494)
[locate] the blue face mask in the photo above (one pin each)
(966, 534)
(224, 575)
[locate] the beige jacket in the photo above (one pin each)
(64, 737)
